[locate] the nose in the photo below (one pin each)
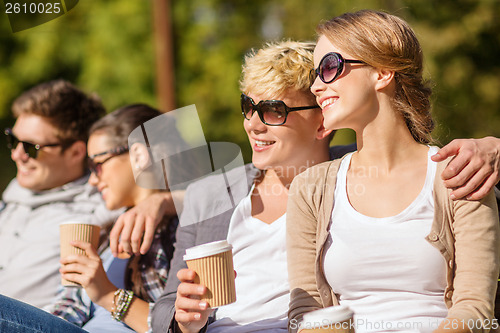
(318, 87)
(93, 179)
(255, 124)
(18, 153)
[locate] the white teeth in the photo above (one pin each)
(263, 143)
(327, 102)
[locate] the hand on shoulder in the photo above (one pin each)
(474, 170)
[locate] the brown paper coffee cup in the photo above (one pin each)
(77, 232)
(334, 319)
(213, 262)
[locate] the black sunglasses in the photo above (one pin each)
(96, 168)
(331, 67)
(271, 112)
(30, 149)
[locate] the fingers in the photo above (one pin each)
(191, 290)
(87, 247)
(76, 277)
(190, 312)
(458, 164)
(457, 175)
(186, 275)
(125, 236)
(451, 149)
(79, 272)
(75, 258)
(188, 289)
(474, 170)
(114, 235)
(148, 235)
(480, 192)
(137, 233)
(74, 267)
(469, 185)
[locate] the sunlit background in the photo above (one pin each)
(120, 49)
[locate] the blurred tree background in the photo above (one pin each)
(107, 47)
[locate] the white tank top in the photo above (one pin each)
(383, 268)
(262, 290)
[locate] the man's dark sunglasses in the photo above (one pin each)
(331, 67)
(31, 149)
(96, 168)
(271, 112)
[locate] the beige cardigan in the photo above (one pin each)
(465, 232)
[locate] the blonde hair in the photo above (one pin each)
(278, 67)
(386, 41)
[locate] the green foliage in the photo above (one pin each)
(107, 47)
(461, 41)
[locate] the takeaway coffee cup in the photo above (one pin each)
(213, 262)
(334, 319)
(74, 231)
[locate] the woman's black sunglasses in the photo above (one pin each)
(31, 149)
(331, 67)
(96, 167)
(271, 112)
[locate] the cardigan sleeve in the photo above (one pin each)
(477, 255)
(301, 251)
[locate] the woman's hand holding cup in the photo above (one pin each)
(191, 313)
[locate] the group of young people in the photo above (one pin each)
(383, 229)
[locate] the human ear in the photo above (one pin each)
(383, 78)
(139, 156)
(77, 151)
(322, 132)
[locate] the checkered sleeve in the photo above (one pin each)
(155, 277)
(71, 305)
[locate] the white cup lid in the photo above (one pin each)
(328, 315)
(87, 222)
(208, 249)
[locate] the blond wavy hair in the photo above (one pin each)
(278, 67)
(386, 41)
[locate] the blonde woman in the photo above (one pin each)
(284, 127)
(377, 230)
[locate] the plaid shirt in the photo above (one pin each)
(73, 304)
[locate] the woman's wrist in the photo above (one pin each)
(122, 299)
(107, 300)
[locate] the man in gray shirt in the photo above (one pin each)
(48, 145)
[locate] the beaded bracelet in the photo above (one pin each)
(122, 304)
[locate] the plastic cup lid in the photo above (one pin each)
(208, 249)
(328, 315)
(77, 222)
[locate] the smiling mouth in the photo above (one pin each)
(327, 102)
(260, 143)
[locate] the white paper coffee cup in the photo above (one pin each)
(76, 231)
(213, 262)
(334, 319)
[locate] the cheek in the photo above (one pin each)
(246, 126)
(114, 197)
(121, 184)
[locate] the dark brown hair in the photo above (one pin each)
(120, 123)
(66, 107)
(117, 126)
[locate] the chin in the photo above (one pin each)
(261, 165)
(111, 205)
(30, 185)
